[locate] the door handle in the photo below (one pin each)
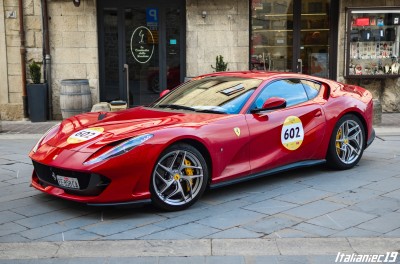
(126, 69)
(300, 66)
(318, 113)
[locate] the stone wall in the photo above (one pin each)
(10, 60)
(224, 31)
(73, 43)
(13, 79)
(3, 58)
(73, 47)
(386, 91)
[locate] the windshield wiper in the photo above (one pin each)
(183, 107)
(210, 111)
(174, 106)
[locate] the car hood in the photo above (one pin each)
(117, 126)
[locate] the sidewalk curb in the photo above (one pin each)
(387, 131)
(199, 247)
(20, 136)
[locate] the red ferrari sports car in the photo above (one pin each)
(214, 130)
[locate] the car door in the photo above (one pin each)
(287, 135)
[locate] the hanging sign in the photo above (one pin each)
(142, 44)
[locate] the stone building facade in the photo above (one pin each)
(212, 27)
(73, 44)
(224, 31)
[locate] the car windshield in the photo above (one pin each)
(218, 94)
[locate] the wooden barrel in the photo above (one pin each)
(75, 97)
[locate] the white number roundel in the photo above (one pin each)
(292, 133)
(84, 135)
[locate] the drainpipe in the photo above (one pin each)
(23, 58)
(47, 57)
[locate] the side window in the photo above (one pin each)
(291, 90)
(312, 88)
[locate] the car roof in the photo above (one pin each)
(248, 74)
(263, 75)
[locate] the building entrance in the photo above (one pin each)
(141, 46)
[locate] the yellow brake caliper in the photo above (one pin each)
(189, 172)
(338, 136)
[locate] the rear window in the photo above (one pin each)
(312, 88)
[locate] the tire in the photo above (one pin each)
(179, 178)
(347, 143)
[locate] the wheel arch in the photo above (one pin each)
(363, 121)
(203, 150)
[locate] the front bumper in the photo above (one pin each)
(90, 184)
(122, 179)
(371, 138)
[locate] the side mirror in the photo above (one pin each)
(164, 92)
(274, 103)
(271, 104)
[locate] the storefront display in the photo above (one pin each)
(272, 38)
(295, 36)
(373, 39)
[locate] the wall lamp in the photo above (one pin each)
(204, 14)
(76, 2)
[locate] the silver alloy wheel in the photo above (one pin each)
(178, 177)
(349, 141)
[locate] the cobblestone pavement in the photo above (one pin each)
(25, 127)
(311, 203)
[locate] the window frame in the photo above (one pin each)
(252, 105)
(314, 81)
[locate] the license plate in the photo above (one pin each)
(68, 182)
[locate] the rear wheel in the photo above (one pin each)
(179, 178)
(346, 145)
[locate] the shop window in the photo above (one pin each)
(373, 43)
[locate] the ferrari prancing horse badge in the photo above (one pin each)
(237, 131)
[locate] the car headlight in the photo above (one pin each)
(51, 130)
(120, 149)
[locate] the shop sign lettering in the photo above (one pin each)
(142, 44)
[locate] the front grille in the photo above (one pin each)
(89, 183)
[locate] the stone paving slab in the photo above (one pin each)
(26, 127)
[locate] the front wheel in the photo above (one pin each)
(346, 145)
(179, 178)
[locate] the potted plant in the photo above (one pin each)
(37, 94)
(220, 65)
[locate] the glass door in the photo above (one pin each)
(272, 35)
(314, 38)
(292, 36)
(110, 88)
(140, 53)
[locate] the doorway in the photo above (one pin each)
(140, 53)
(294, 36)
